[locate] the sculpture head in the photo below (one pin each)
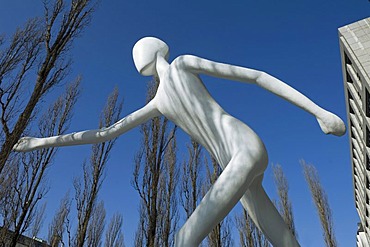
(145, 54)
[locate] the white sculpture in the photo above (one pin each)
(183, 98)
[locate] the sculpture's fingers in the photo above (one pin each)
(24, 144)
(19, 146)
(332, 124)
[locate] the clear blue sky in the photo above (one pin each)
(296, 41)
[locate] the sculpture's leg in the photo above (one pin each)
(220, 199)
(266, 217)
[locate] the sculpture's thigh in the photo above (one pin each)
(217, 203)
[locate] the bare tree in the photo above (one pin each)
(321, 202)
(27, 171)
(38, 220)
(7, 181)
(96, 226)
(88, 187)
(194, 186)
(249, 234)
(191, 186)
(220, 236)
(140, 238)
(114, 235)
(36, 57)
(57, 227)
(154, 175)
(284, 203)
(168, 192)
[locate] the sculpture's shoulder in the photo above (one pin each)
(184, 61)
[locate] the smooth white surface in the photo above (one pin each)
(183, 98)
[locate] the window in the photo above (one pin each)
(367, 137)
(349, 78)
(349, 95)
(351, 109)
(346, 59)
(367, 103)
(367, 162)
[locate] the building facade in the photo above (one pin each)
(354, 42)
(23, 241)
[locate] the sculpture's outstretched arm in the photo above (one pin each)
(90, 136)
(329, 123)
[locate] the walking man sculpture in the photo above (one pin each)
(183, 98)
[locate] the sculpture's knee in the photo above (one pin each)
(254, 160)
(243, 168)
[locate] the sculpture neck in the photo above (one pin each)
(161, 65)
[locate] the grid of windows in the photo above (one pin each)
(357, 87)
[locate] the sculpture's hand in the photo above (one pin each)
(26, 144)
(331, 124)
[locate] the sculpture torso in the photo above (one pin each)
(183, 98)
